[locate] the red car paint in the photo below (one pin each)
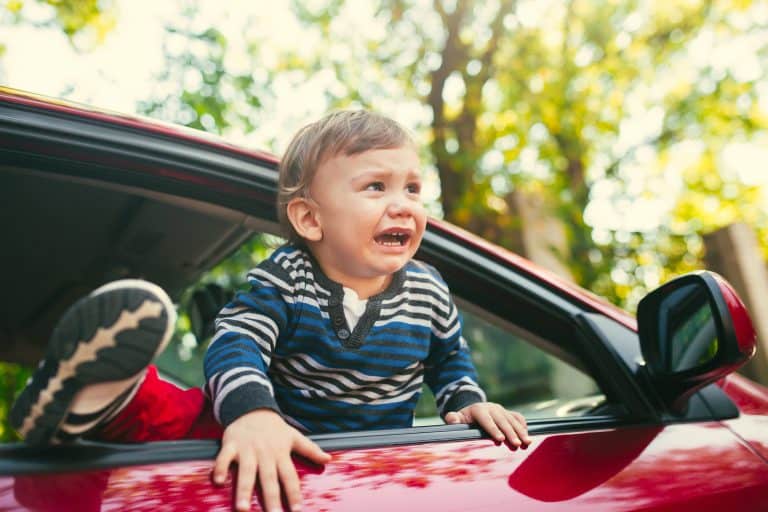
(742, 324)
(752, 423)
(679, 467)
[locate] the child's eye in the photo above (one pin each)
(413, 188)
(376, 186)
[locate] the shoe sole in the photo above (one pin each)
(110, 335)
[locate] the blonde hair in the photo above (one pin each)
(347, 132)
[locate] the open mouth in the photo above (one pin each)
(393, 238)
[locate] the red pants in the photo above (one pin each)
(161, 411)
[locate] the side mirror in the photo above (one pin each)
(694, 330)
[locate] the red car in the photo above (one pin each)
(624, 414)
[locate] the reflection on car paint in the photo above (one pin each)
(584, 461)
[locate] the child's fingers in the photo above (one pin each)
(521, 427)
(520, 418)
(221, 466)
(507, 424)
(488, 423)
(452, 418)
(309, 449)
(270, 486)
(246, 477)
(517, 422)
(291, 485)
(498, 422)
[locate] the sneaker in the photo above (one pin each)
(110, 335)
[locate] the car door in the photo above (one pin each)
(598, 442)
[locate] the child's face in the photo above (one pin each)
(369, 213)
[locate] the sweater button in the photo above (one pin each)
(338, 321)
(343, 334)
(333, 301)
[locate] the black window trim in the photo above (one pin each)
(19, 459)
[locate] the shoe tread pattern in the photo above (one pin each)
(86, 349)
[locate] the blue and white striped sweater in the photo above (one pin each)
(286, 345)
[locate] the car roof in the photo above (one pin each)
(137, 122)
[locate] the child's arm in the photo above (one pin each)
(451, 375)
(460, 399)
(261, 443)
(236, 369)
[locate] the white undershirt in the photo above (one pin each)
(354, 307)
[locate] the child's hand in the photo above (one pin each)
(500, 423)
(261, 442)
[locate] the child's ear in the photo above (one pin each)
(303, 216)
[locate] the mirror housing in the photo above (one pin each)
(694, 330)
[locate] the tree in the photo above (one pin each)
(204, 93)
(85, 22)
(567, 101)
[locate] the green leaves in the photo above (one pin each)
(586, 94)
(12, 379)
(508, 99)
(206, 92)
(85, 22)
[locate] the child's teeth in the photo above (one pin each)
(392, 239)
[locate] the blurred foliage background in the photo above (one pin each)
(631, 123)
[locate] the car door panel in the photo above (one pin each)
(677, 467)
(752, 423)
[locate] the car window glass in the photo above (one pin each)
(516, 372)
(182, 361)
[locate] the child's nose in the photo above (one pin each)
(400, 206)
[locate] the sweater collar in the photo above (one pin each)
(353, 338)
(337, 290)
